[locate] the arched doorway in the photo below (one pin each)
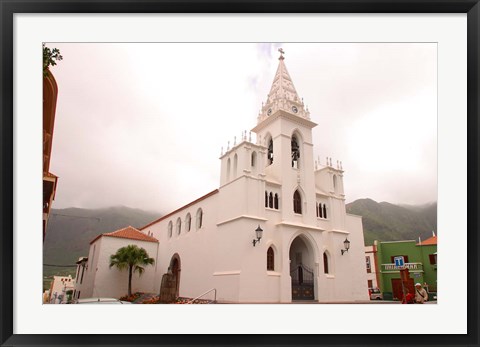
(302, 269)
(175, 269)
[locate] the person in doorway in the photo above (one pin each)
(420, 294)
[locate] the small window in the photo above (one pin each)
(325, 263)
(228, 169)
(324, 211)
(270, 259)
(369, 266)
(199, 218)
(297, 202)
(179, 226)
(235, 164)
(275, 201)
(254, 159)
(188, 222)
(433, 259)
(266, 199)
(270, 200)
(170, 228)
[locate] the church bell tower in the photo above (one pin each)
(285, 129)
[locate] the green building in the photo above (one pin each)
(419, 258)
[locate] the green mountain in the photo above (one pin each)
(387, 222)
(70, 230)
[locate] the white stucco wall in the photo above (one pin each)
(101, 281)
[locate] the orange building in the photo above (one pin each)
(50, 92)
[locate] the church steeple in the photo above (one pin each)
(283, 95)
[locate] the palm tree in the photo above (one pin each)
(132, 258)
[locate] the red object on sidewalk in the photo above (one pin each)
(408, 299)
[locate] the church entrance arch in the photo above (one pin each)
(175, 269)
(302, 269)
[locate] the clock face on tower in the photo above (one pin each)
(269, 112)
(294, 109)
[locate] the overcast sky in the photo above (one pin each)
(142, 125)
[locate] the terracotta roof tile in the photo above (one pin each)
(428, 242)
(128, 233)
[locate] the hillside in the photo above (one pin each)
(387, 222)
(70, 231)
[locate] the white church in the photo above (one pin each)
(275, 231)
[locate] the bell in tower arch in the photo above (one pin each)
(295, 152)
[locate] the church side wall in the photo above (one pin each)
(195, 248)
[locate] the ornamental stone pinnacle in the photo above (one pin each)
(283, 95)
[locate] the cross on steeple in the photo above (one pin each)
(282, 52)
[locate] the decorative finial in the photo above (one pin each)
(282, 52)
(234, 140)
(341, 165)
(316, 165)
(331, 162)
(327, 161)
(250, 137)
(228, 146)
(338, 165)
(221, 153)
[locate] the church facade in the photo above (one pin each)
(309, 247)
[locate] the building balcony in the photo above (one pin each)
(412, 267)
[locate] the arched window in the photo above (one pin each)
(199, 218)
(270, 200)
(228, 169)
(334, 181)
(254, 159)
(297, 202)
(295, 152)
(188, 222)
(325, 262)
(270, 259)
(270, 152)
(266, 199)
(170, 228)
(178, 227)
(235, 164)
(324, 211)
(275, 201)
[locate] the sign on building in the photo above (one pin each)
(399, 261)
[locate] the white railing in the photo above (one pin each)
(209, 291)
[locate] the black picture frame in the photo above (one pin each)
(10, 7)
